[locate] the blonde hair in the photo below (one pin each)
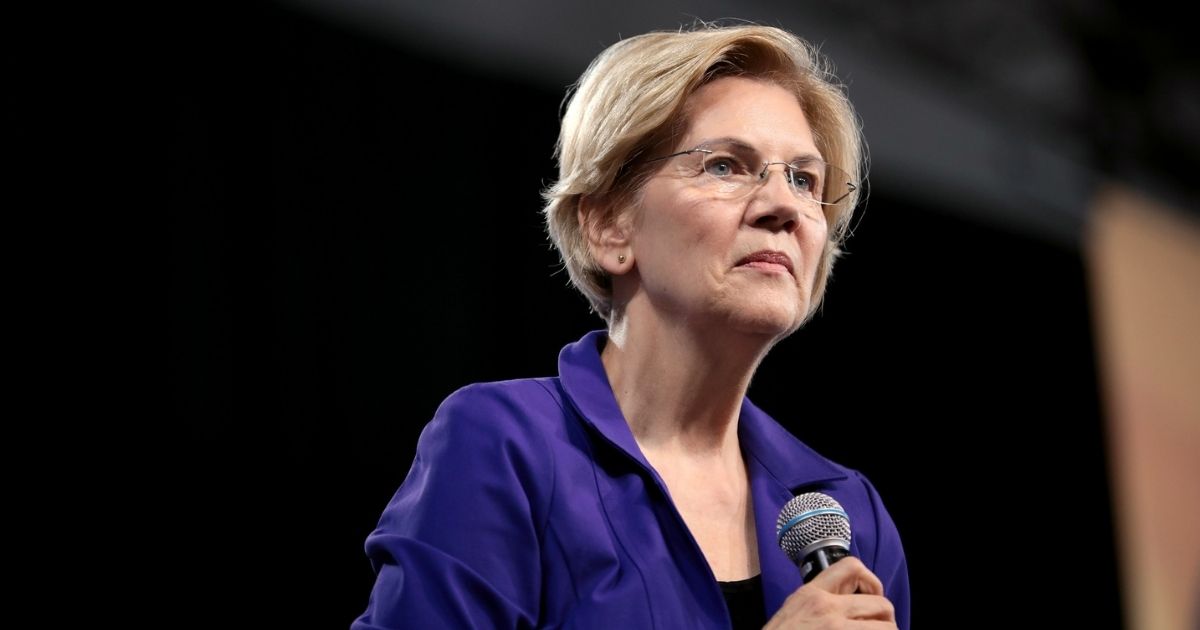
(631, 100)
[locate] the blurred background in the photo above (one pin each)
(1009, 351)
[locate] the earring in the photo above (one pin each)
(621, 258)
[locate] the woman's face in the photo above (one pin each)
(690, 244)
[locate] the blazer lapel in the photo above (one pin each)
(778, 465)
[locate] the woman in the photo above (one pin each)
(706, 181)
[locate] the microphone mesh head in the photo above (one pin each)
(810, 518)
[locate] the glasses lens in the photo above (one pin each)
(734, 170)
(820, 182)
(807, 179)
(729, 170)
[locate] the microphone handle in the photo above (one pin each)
(820, 560)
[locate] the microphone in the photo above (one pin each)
(814, 531)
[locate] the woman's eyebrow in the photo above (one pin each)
(742, 144)
(807, 157)
(738, 142)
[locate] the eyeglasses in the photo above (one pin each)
(731, 170)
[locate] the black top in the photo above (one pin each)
(745, 601)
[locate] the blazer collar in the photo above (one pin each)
(586, 385)
(786, 459)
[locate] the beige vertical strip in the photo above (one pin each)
(1144, 268)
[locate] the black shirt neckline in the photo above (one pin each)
(744, 598)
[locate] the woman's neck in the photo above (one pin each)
(681, 387)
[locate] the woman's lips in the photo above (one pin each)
(768, 260)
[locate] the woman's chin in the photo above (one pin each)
(766, 320)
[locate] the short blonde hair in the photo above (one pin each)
(631, 101)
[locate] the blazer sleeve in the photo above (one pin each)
(889, 563)
(459, 545)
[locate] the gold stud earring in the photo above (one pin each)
(621, 258)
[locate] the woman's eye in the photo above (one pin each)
(721, 166)
(801, 180)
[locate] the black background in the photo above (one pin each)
(340, 263)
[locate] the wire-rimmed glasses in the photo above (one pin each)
(732, 170)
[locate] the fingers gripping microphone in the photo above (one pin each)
(814, 531)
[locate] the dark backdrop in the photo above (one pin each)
(355, 234)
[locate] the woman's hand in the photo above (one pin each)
(846, 595)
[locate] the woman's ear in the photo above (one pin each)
(609, 238)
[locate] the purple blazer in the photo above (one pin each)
(530, 505)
